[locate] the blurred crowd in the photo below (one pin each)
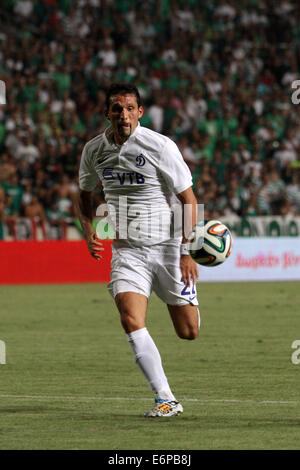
(216, 76)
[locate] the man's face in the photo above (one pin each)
(123, 113)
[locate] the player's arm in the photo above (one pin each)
(189, 268)
(86, 216)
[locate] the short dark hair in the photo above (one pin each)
(122, 89)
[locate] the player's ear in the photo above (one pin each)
(141, 111)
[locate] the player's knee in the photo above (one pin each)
(189, 333)
(129, 322)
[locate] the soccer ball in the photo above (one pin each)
(210, 243)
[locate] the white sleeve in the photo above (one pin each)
(88, 177)
(174, 169)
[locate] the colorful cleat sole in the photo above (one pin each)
(164, 408)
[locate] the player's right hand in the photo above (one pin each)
(189, 270)
(94, 245)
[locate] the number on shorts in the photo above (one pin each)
(185, 290)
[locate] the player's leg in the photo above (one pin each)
(181, 299)
(130, 286)
(133, 307)
(186, 320)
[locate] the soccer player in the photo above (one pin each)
(141, 171)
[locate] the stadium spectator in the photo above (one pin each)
(293, 193)
(14, 191)
(57, 222)
(35, 214)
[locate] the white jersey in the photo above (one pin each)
(139, 179)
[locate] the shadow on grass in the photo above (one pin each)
(29, 409)
(218, 422)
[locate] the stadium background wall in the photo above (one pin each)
(48, 262)
(51, 262)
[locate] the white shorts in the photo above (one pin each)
(154, 268)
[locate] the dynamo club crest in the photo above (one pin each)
(140, 160)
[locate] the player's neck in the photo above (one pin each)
(118, 140)
(114, 138)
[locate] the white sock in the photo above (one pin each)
(199, 318)
(148, 358)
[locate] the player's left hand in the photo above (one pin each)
(189, 270)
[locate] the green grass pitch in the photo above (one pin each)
(70, 381)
